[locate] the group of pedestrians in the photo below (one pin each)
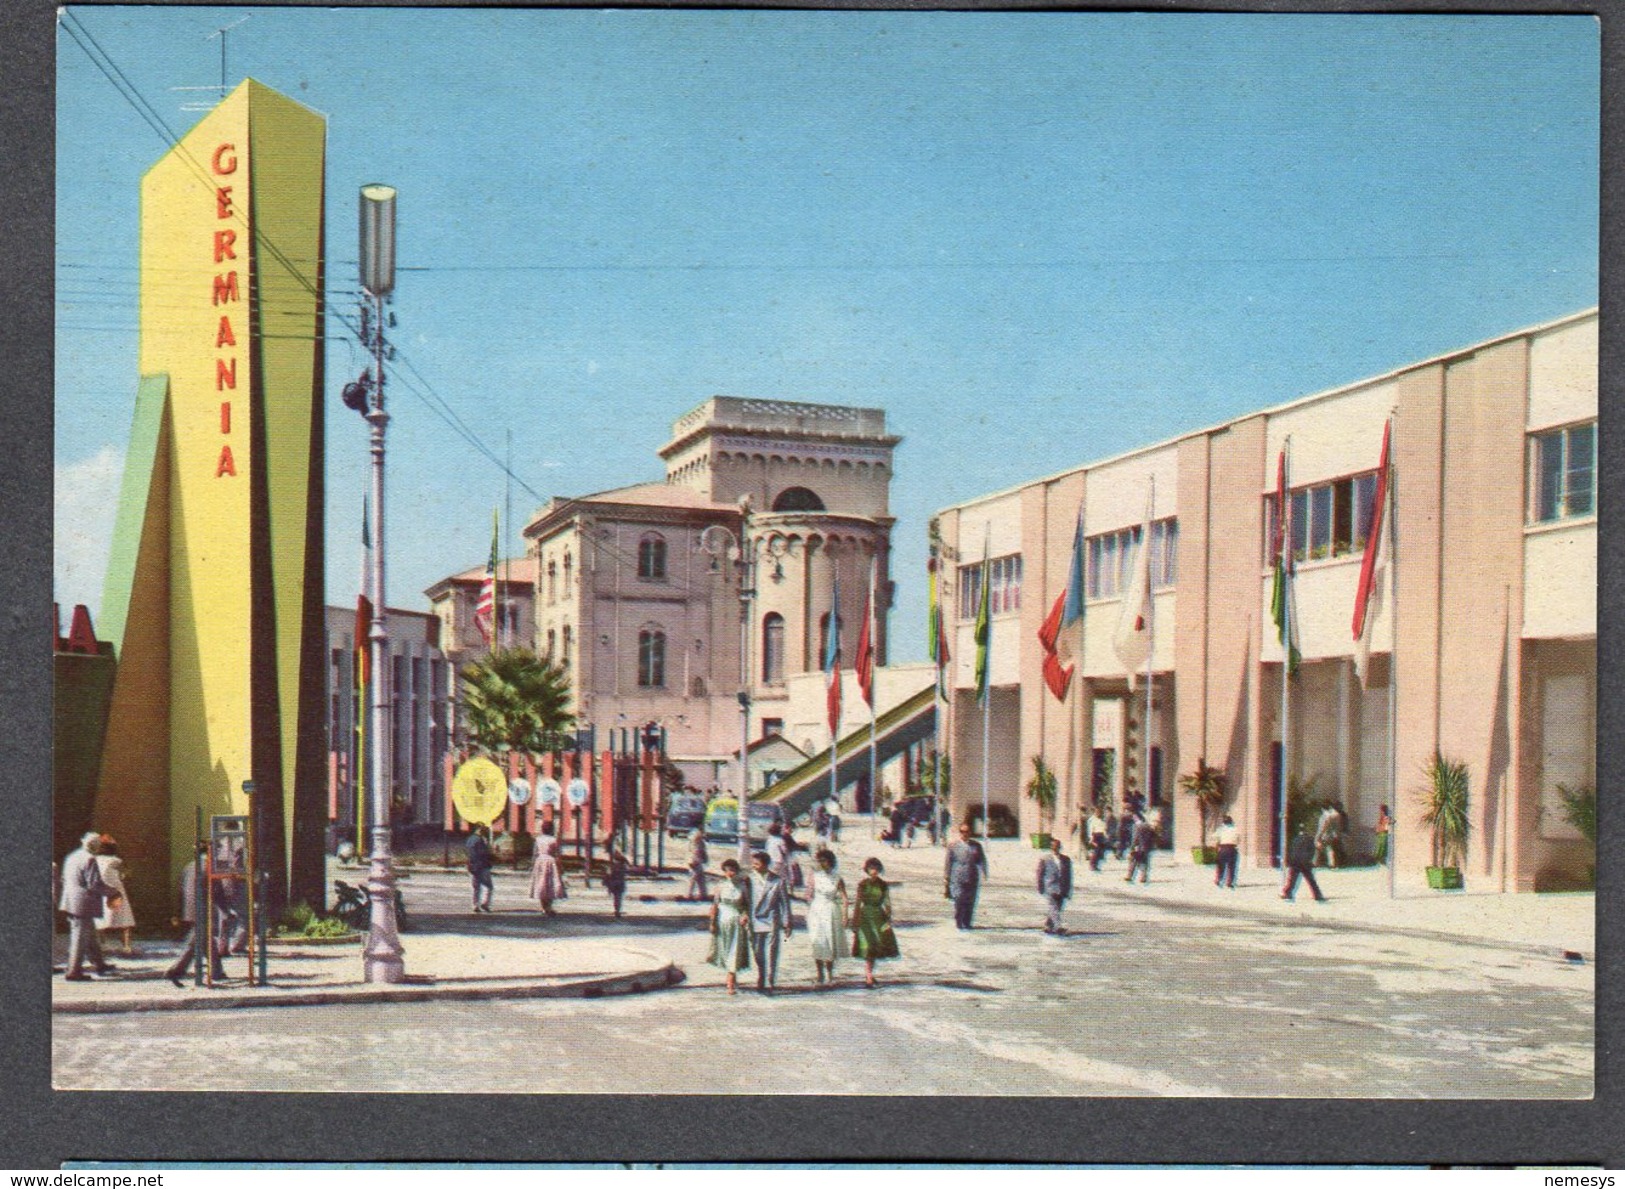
(1133, 835)
(547, 882)
(751, 918)
(90, 892)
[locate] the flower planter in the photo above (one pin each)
(1207, 856)
(297, 940)
(1444, 878)
(1041, 841)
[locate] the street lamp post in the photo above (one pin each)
(718, 540)
(382, 960)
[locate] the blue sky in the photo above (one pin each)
(1034, 239)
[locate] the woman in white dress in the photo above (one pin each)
(116, 911)
(826, 916)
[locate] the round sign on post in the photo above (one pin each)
(547, 792)
(519, 791)
(480, 791)
(578, 792)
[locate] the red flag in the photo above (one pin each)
(1056, 675)
(1368, 563)
(832, 662)
(864, 664)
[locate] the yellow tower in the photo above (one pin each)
(214, 592)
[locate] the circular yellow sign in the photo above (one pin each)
(480, 791)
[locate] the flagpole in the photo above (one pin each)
(987, 678)
(507, 632)
(1283, 519)
(873, 653)
(1391, 516)
(832, 648)
(1150, 646)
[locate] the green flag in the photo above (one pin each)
(1281, 609)
(984, 629)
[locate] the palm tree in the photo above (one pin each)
(514, 701)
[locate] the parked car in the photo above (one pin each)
(685, 814)
(722, 820)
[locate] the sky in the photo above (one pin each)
(1034, 239)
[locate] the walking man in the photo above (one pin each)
(962, 876)
(1300, 863)
(1139, 850)
(697, 855)
(1227, 837)
(1094, 838)
(191, 899)
(769, 915)
(83, 896)
(1055, 885)
(479, 868)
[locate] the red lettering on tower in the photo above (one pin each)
(225, 374)
(225, 288)
(225, 160)
(224, 337)
(227, 465)
(225, 416)
(223, 250)
(222, 202)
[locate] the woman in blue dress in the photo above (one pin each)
(730, 931)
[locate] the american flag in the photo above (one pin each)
(485, 608)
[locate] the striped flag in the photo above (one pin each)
(1281, 608)
(936, 639)
(864, 663)
(1373, 565)
(984, 628)
(1057, 675)
(363, 604)
(832, 661)
(485, 608)
(1132, 641)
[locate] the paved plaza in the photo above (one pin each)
(1176, 988)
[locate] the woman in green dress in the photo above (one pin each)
(730, 931)
(872, 936)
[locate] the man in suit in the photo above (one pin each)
(769, 914)
(1300, 863)
(190, 893)
(83, 897)
(1055, 884)
(479, 867)
(962, 876)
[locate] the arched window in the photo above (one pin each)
(797, 499)
(823, 636)
(552, 581)
(551, 641)
(566, 575)
(651, 658)
(566, 635)
(652, 557)
(773, 648)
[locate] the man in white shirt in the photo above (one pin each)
(1228, 839)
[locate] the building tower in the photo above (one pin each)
(213, 599)
(818, 479)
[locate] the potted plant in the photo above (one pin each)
(1445, 814)
(1580, 811)
(1206, 784)
(1044, 790)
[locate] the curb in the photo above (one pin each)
(634, 983)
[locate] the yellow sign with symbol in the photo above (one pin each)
(480, 791)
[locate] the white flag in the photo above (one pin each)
(1132, 640)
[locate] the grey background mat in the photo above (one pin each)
(39, 1128)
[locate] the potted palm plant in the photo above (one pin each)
(1206, 784)
(1044, 790)
(1445, 814)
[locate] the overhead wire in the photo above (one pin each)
(131, 94)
